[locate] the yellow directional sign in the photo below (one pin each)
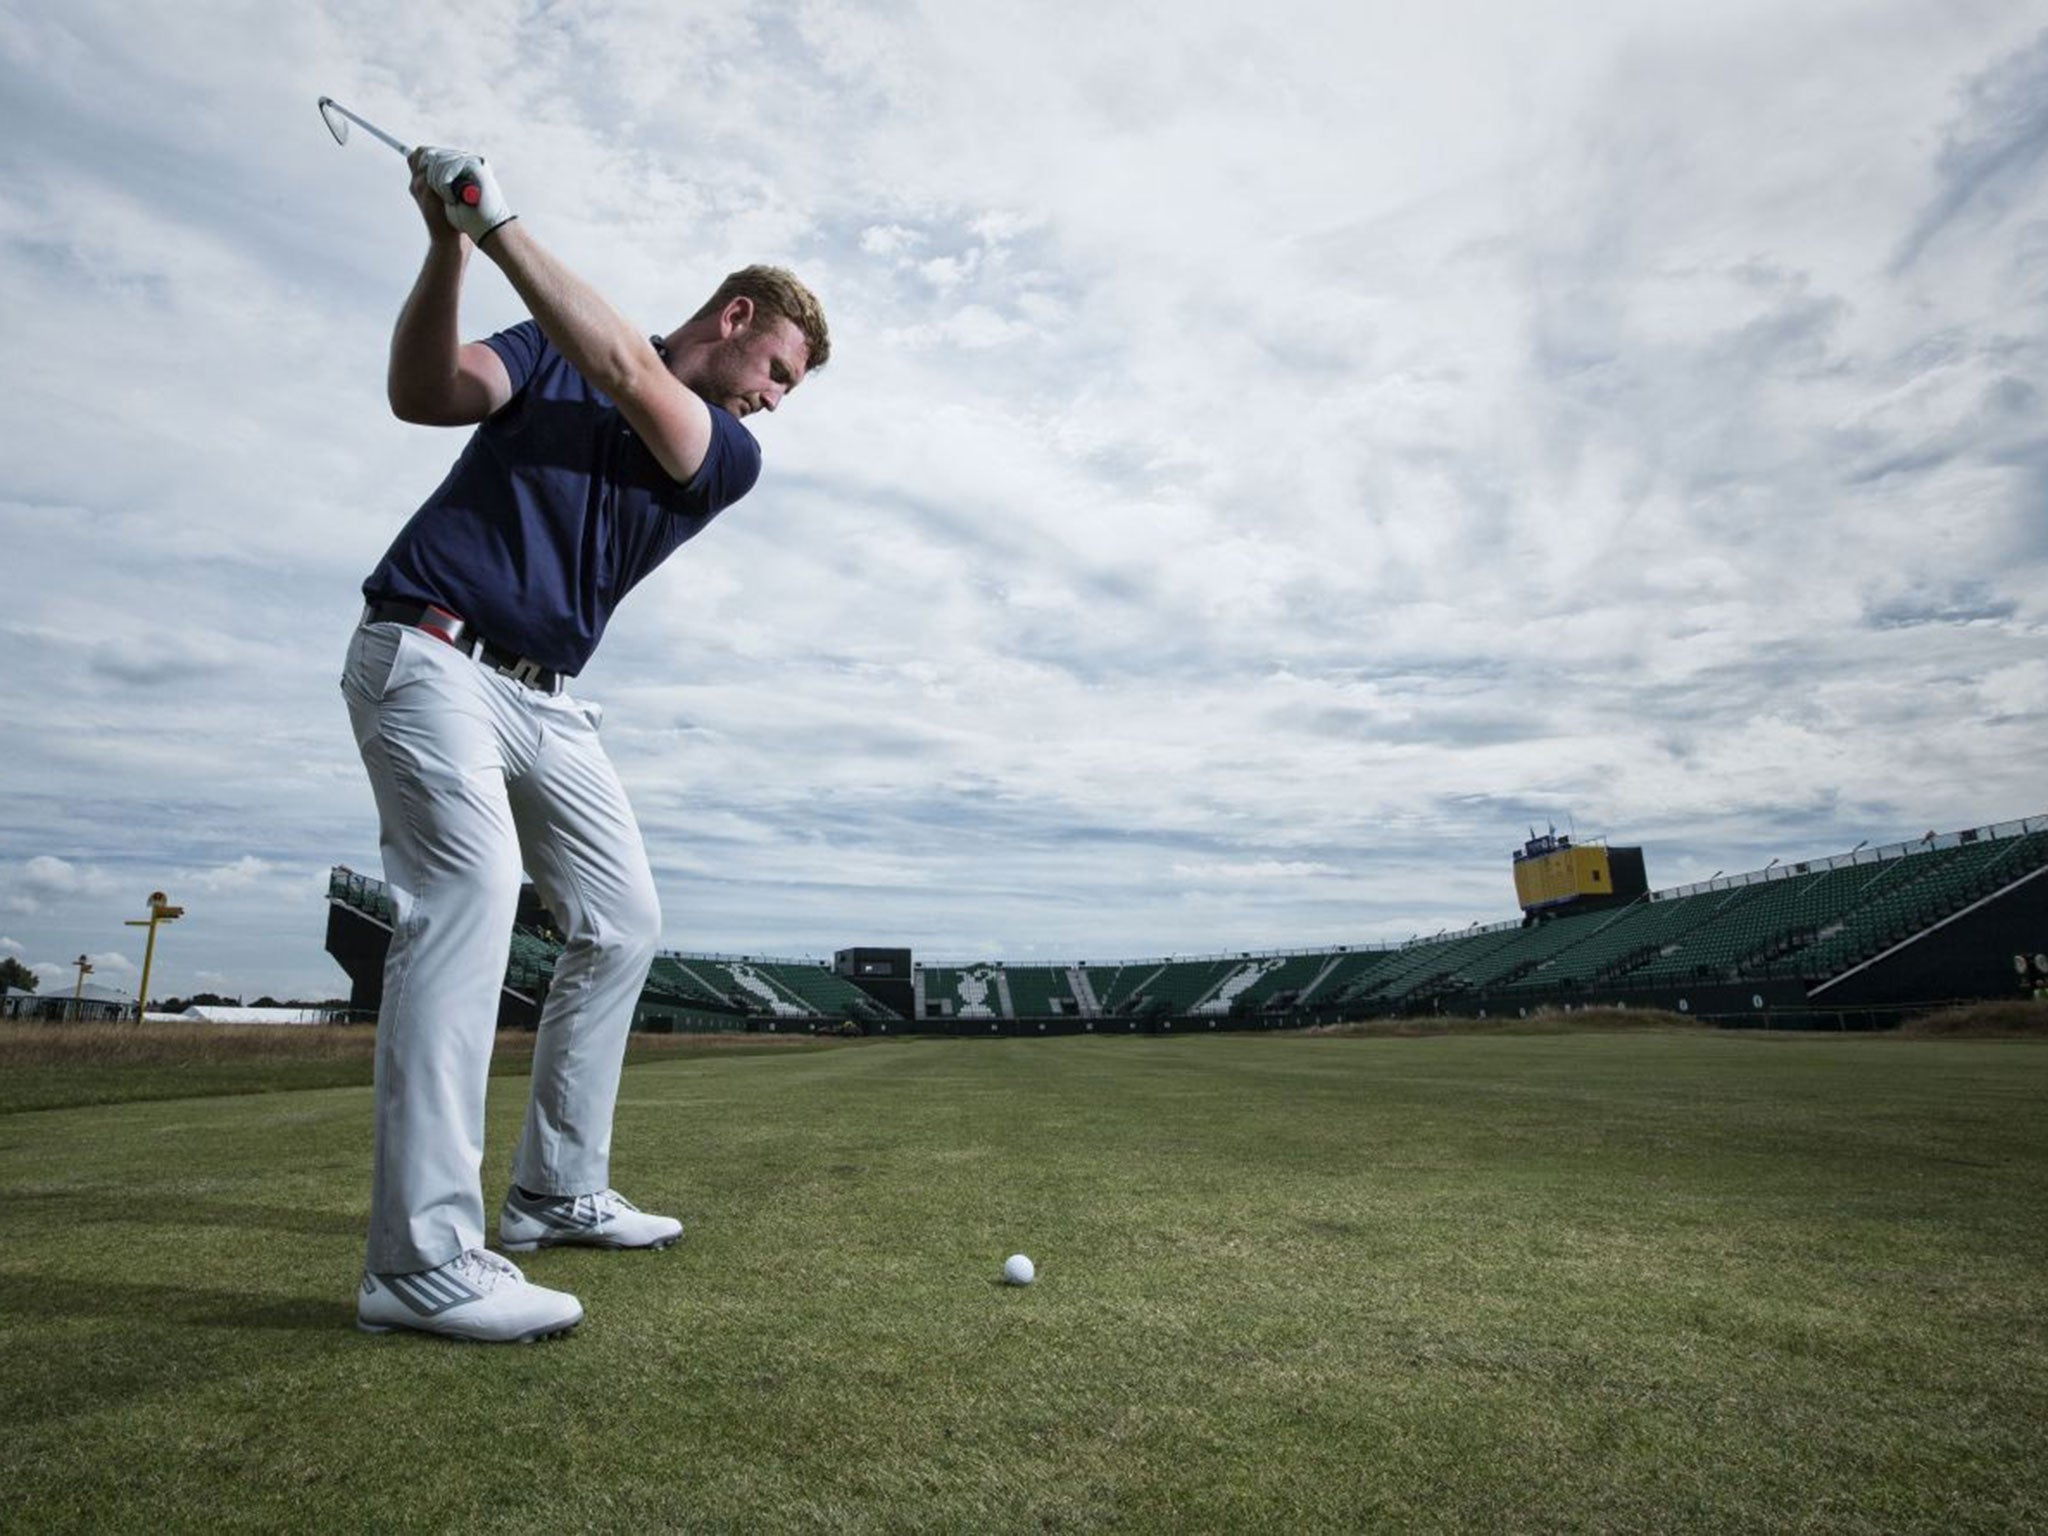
(160, 911)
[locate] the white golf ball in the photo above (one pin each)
(1017, 1270)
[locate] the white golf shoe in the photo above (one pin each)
(478, 1295)
(606, 1219)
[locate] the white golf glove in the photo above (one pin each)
(448, 172)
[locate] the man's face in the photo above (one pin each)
(754, 367)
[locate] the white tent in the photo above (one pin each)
(207, 1014)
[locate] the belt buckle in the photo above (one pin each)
(443, 625)
(528, 672)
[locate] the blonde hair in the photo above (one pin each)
(776, 291)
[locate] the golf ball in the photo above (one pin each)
(1018, 1270)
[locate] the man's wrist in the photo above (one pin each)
(502, 238)
(449, 253)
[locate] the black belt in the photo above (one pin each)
(460, 633)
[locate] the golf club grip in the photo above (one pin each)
(467, 191)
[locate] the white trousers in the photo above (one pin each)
(476, 778)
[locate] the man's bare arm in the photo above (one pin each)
(605, 348)
(433, 378)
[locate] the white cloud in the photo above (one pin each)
(1218, 871)
(36, 883)
(972, 328)
(889, 240)
(946, 272)
(243, 873)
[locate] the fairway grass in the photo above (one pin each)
(1619, 1282)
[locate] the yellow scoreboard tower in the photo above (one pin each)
(1553, 876)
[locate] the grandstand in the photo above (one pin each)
(1044, 991)
(1936, 920)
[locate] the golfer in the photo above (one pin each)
(597, 452)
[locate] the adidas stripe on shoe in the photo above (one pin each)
(606, 1219)
(477, 1295)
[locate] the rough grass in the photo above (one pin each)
(1680, 1281)
(1978, 1021)
(1983, 1021)
(55, 1066)
(1544, 1021)
(157, 1044)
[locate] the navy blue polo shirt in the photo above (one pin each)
(555, 511)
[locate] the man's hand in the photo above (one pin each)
(433, 378)
(450, 174)
(434, 211)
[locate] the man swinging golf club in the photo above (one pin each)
(597, 452)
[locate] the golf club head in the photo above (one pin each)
(331, 115)
(337, 118)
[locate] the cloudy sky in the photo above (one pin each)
(1271, 455)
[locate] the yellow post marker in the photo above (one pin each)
(78, 992)
(160, 911)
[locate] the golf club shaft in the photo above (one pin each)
(366, 125)
(465, 187)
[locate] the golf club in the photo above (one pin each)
(337, 118)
